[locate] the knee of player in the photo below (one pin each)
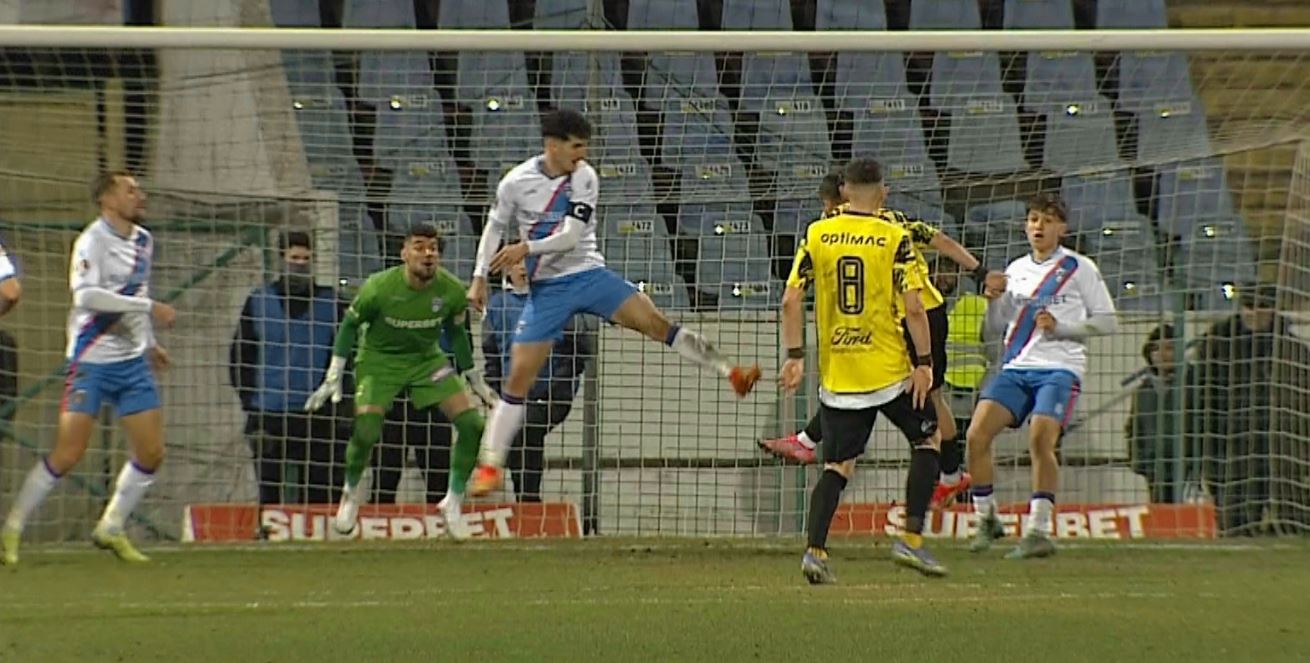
(149, 457)
(978, 440)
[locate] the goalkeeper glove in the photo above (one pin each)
(478, 385)
(331, 387)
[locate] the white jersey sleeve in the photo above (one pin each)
(7, 269)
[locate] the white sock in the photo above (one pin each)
(984, 503)
(1040, 509)
(805, 440)
(698, 350)
(39, 482)
(453, 501)
(128, 491)
(506, 421)
(952, 479)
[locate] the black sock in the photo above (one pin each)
(813, 430)
(950, 457)
(919, 484)
(823, 503)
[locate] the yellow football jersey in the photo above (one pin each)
(860, 265)
(921, 234)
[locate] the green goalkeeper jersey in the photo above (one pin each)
(395, 324)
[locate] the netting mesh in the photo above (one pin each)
(1184, 174)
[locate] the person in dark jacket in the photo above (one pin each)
(278, 355)
(1248, 367)
(1153, 424)
(551, 398)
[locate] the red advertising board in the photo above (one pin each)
(313, 522)
(1111, 522)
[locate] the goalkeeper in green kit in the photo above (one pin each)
(399, 317)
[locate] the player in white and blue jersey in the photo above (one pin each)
(111, 354)
(552, 198)
(10, 289)
(1054, 301)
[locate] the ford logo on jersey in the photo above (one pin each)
(851, 336)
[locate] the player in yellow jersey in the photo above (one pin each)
(800, 446)
(865, 278)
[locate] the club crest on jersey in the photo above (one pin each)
(437, 302)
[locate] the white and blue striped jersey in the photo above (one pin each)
(7, 269)
(540, 205)
(1070, 287)
(107, 261)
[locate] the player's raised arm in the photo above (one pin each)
(793, 316)
(923, 234)
(493, 231)
(10, 289)
(1101, 317)
(360, 312)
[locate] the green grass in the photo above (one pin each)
(658, 600)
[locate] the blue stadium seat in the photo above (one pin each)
(793, 216)
(984, 138)
(961, 77)
(895, 138)
(1188, 192)
(1173, 131)
(850, 15)
(396, 79)
(1148, 78)
(473, 14)
(926, 211)
(1136, 285)
(614, 123)
(636, 245)
(359, 250)
(756, 15)
(717, 219)
(1057, 79)
(1039, 14)
(624, 180)
(677, 76)
(505, 137)
(560, 15)
(379, 14)
(663, 15)
(736, 267)
(1081, 141)
(483, 76)
(310, 74)
(945, 15)
(713, 181)
(1121, 14)
(768, 79)
(325, 135)
(412, 143)
(795, 133)
(295, 13)
(1219, 253)
(1093, 199)
(862, 77)
(998, 228)
(695, 130)
(570, 78)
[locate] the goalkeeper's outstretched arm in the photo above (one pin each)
(359, 313)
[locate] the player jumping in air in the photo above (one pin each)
(552, 199)
(1054, 301)
(398, 317)
(862, 265)
(800, 447)
(111, 354)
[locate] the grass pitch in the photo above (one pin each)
(654, 600)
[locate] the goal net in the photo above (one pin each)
(1184, 172)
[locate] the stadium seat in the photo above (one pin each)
(895, 137)
(560, 15)
(397, 79)
(959, 78)
(1149, 78)
(1055, 80)
(757, 15)
(1172, 131)
(1038, 14)
(1122, 14)
(412, 143)
(614, 129)
(1218, 252)
(294, 13)
(926, 211)
(718, 219)
(473, 14)
(771, 79)
(505, 137)
(310, 74)
(1085, 140)
(678, 76)
(358, 249)
(1093, 199)
(663, 15)
(945, 15)
(736, 268)
(695, 130)
(379, 14)
(863, 78)
(984, 138)
(794, 134)
(571, 73)
(325, 136)
(713, 182)
(793, 216)
(483, 78)
(1189, 191)
(998, 228)
(636, 245)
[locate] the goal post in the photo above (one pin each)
(1180, 154)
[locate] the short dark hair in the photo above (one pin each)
(104, 183)
(425, 230)
(862, 171)
(830, 186)
(1049, 203)
(1163, 332)
(564, 124)
(295, 238)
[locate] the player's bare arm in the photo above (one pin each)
(10, 292)
(793, 324)
(993, 281)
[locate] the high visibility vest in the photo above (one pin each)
(966, 356)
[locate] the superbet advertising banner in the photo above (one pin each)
(1109, 522)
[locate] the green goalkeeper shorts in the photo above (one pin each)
(429, 383)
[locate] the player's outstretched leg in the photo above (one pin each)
(1043, 434)
(639, 314)
(469, 427)
(70, 445)
(989, 419)
(952, 482)
(799, 447)
(908, 550)
(365, 433)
